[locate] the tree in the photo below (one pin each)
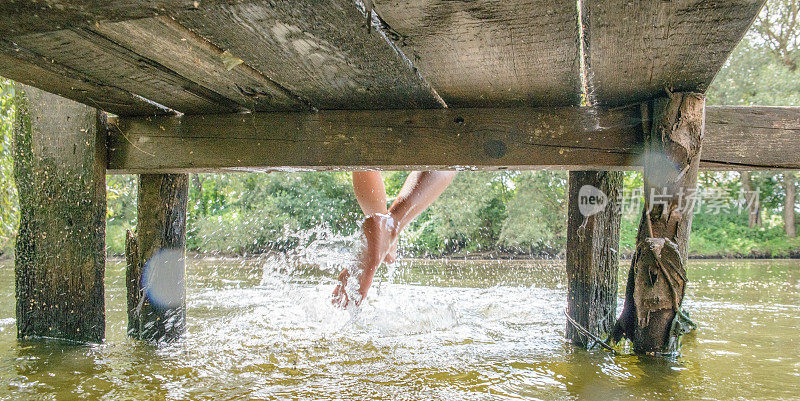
(752, 200)
(537, 215)
(779, 27)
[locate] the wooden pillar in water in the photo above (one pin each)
(59, 168)
(592, 252)
(652, 317)
(155, 258)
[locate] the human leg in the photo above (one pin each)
(380, 231)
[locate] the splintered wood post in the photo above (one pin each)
(59, 168)
(592, 253)
(155, 258)
(652, 317)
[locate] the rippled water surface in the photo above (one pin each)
(431, 330)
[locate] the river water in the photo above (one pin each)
(450, 329)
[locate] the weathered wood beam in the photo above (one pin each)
(652, 316)
(122, 66)
(106, 62)
(513, 138)
(30, 68)
(401, 139)
(59, 168)
(192, 57)
(488, 53)
(752, 137)
(321, 50)
(592, 256)
(156, 260)
(637, 49)
(25, 16)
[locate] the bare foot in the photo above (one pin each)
(392, 255)
(379, 233)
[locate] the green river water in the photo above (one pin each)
(451, 329)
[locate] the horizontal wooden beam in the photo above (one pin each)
(482, 138)
(752, 137)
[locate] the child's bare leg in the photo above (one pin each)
(371, 195)
(370, 192)
(420, 190)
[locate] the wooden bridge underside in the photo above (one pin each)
(216, 84)
(210, 85)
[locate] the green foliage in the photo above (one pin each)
(237, 213)
(537, 214)
(9, 204)
(466, 217)
(762, 70)
(120, 211)
(754, 76)
(728, 235)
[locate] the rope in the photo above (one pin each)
(588, 334)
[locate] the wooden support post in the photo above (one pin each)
(59, 168)
(652, 317)
(592, 253)
(156, 259)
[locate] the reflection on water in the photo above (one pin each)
(431, 330)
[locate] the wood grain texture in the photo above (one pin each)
(490, 53)
(59, 169)
(25, 16)
(657, 277)
(387, 139)
(104, 61)
(320, 50)
(637, 49)
(156, 261)
(754, 137)
(524, 138)
(592, 256)
(166, 42)
(30, 68)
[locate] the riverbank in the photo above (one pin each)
(778, 248)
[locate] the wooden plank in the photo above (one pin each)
(106, 62)
(490, 53)
(166, 42)
(29, 68)
(637, 49)
(513, 138)
(18, 17)
(752, 137)
(389, 139)
(320, 50)
(59, 166)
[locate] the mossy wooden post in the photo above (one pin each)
(652, 317)
(592, 253)
(59, 168)
(156, 259)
